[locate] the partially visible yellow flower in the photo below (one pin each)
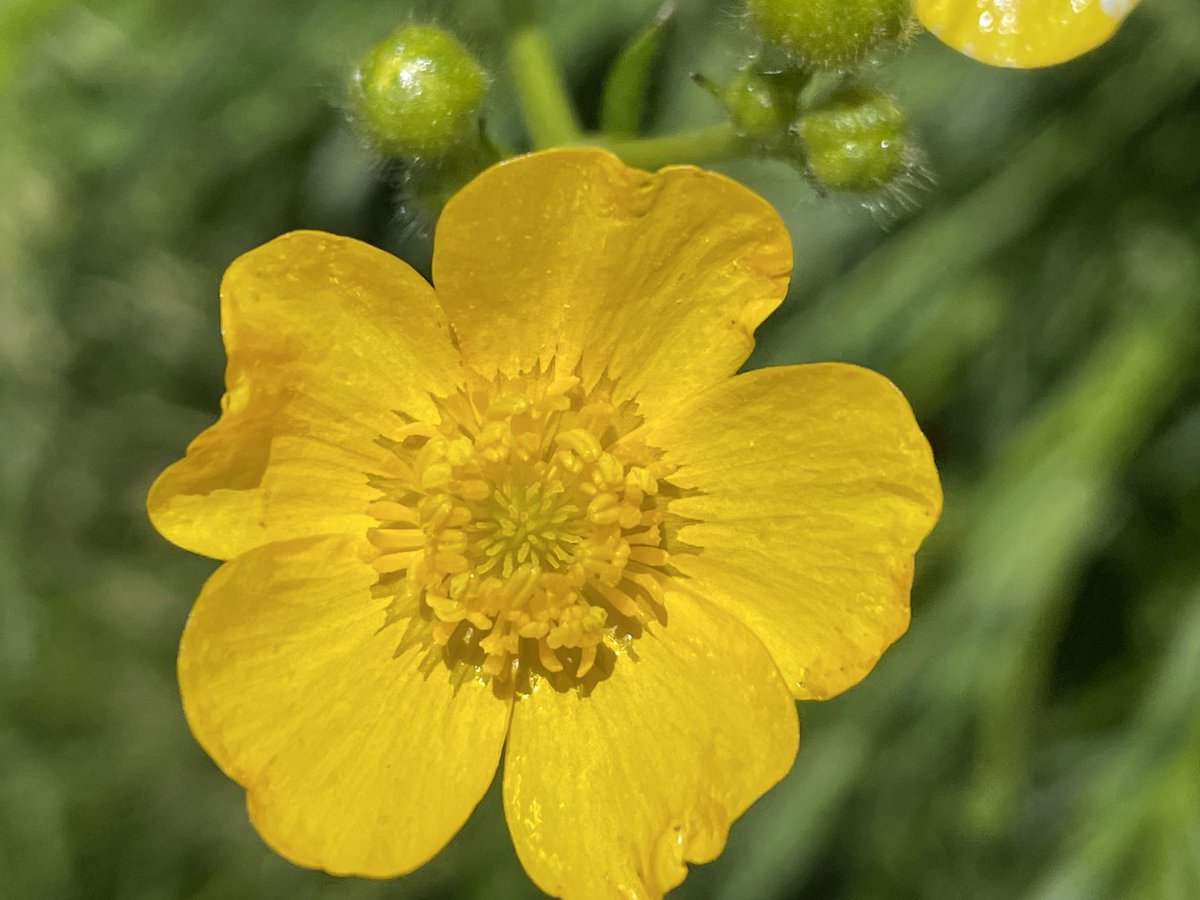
(1024, 34)
(533, 510)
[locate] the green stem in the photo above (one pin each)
(545, 103)
(711, 143)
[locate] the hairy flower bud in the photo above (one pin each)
(762, 103)
(829, 34)
(418, 93)
(854, 140)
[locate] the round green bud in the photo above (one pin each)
(854, 140)
(829, 34)
(418, 93)
(763, 103)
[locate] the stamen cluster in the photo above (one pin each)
(523, 536)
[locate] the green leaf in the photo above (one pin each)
(624, 98)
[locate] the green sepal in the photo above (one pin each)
(854, 140)
(431, 181)
(764, 103)
(622, 105)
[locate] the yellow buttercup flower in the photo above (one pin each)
(1024, 34)
(532, 509)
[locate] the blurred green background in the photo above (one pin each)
(1037, 732)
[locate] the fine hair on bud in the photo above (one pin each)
(829, 35)
(855, 140)
(418, 94)
(763, 103)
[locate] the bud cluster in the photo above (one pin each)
(799, 95)
(802, 98)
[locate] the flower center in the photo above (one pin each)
(523, 534)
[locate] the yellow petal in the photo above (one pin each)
(1023, 33)
(609, 794)
(810, 488)
(353, 761)
(327, 337)
(571, 255)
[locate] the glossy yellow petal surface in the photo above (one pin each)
(326, 337)
(353, 761)
(809, 489)
(609, 795)
(1024, 34)
(570, 255)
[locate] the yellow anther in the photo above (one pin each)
(452, 539)
(649, 556)
(475, 489)
(389, 511)
(534, 630)
(587, 659)
(548, 658)
(630, 516)
(641, 479)
(611, 471)
(459, 452)
(442, 632)
(444, 608)
(394, 562)
(436, 476)
(521, 585)
(390, 540)
(660, 469)
(580, 440)
(508, 405)
(450, 562)
(553, 403)
(492, 433)
(527, 444)
(651, 537)
(603, 510)
(621, 602)
(497, 643)
(480, 620)
(433, 510)
(568, 460)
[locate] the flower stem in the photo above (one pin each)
(542, 91)
(710, 143)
